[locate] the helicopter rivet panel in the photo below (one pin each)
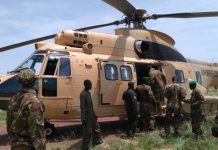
(71, 38)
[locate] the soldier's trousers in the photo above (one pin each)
(132, 116)
(196, 122)
(147, 116)
(172, 118)
(91, 130)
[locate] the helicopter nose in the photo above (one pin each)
(8, 88)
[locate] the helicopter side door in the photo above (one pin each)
(56, 87)
(114, 78)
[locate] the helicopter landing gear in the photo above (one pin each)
(49, 130)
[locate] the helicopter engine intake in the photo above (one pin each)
(71, 38)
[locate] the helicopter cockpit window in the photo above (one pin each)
(35, 63)
(51, 66)
(126, 73)
(198, 77)
(180, 76)
(111, 72)
(64, 68)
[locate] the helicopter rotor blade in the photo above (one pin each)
(184, 15)
(122, 5)
(20, 44)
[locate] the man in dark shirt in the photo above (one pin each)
(129, 96)
(90, 125)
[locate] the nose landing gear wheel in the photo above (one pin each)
(49, 130)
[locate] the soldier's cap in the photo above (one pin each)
(192, 82)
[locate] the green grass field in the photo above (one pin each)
(154, 141)
(212, 92)
(2, 118)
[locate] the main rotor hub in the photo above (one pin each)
(138, 18)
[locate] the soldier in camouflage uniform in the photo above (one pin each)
(147, 105)
(25, 120)
(195, 103)
(158, 83)
(90, 125)
(129, 96)
(175, 94)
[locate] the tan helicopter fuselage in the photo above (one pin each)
(110, 62)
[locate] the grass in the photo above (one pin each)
(212, 92)
(2, 118)
(154, 140)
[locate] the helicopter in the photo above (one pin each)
(110, 61)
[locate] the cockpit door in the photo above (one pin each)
(56, 86)
(114, 78)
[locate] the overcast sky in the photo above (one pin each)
(26, 19)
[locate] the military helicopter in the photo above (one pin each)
(109, 61)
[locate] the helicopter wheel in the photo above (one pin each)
(49, 130)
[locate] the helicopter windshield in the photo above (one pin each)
(34, 62)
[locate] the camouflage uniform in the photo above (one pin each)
(175, 94)
(195, 102)
(25, 120)
(147, 106)
(129, 96)
(90, 125)
(158, 83)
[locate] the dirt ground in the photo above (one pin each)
(68, 134)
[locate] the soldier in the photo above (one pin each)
(195, 103)
(175, 94)
(147, 105)
(90, 125)
(129, 96)
(25, 120)
(158, 83)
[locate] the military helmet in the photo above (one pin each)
(26, 76)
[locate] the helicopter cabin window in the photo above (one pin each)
(64, 68)
(198, 77)
(126, 73)
(51, 66)
(34, 62)
(111, 72)
(180, 76)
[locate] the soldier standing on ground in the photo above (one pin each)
(158, 83)
(195, 103)
(175, 94)
(147, 105)
(25, 120)
(90, 125)
(130, 98)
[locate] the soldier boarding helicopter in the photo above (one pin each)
(109, 61)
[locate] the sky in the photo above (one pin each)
(22, 20)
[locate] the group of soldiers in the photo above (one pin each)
(150, 95)
(25, 120)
